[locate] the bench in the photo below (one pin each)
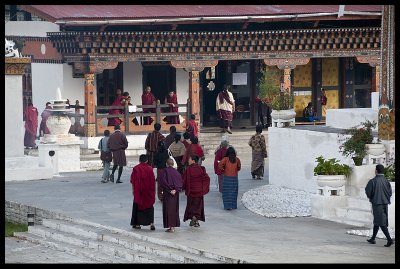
(310, 122)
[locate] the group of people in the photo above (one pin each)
(148, 99)
(30, 118)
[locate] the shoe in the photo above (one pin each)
(371, 241)
(170, 230)
(229, 130)
(389, 243)
(118, 181)
(136, 227)
(253, 176)
(104, 181)
(152, 227)
(112, 178)
(197, 224)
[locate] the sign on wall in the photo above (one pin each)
(239, 78)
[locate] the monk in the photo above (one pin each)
(43, 123)
(172, 101)
(170, 181)
(144, 188)
(191, 126)
(117, 102)
(151, 143)
(148, 99)
(196, 184)
(31, 123)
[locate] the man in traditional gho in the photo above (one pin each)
(225, 106)
(148, 99)
(196, 184)
(31, 123)
(171, 183)
(172, 101)
(151, 144)
(219, 155)
(170, 137)
(117, 102)
(379, 191)
(144, 188)
(258, 153)
(118, 143)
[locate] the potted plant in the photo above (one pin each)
(281, 102)
(355, 145)
(330, 172)
(390, 172)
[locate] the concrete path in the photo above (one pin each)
(237, 234)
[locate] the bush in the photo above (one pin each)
(14, 227)
(390, 172)
(331, 167)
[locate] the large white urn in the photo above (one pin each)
(333, 181)
(375, 149)
(59, 124)
(283, 114)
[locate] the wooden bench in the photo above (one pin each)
(310, 123)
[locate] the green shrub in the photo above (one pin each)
(12, 227)
(390, 172)
(331, 167)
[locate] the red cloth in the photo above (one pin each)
(192, 128)
(193, 149)
(148, 99)
(117, 102)
(143, 186)
(172, 100)
(323, 100)
(219, 155)
(224, 95)
(31, 119)
(43, 124)
(196, 181)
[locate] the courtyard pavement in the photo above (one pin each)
(239, 233)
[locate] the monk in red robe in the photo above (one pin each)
(148, 99)
(117, 102)
(193, 149)
(31, 123)
(196, 184)
(43, 123)
(191, 126)
(172, 101)
(144, 190)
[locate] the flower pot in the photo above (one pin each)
(334, 181)
(358, 160)
(375, 149)
(283, 114)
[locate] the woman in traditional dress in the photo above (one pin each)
(230, 165)
(259, 152)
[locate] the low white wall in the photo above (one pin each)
(292, 155)
(14, 125)
(349, 117)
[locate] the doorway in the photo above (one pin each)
(107, 83)
(161, 77)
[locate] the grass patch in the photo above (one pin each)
(15, 227)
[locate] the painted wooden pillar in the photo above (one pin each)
(287, 82)
(194, 95)
(90, 115)
(375, 78)
(386, 122)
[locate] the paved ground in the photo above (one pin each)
(239, 233)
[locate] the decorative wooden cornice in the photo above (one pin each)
(16, 66)
(167, 46)
(287, 62)
(94, 66)
(193, 65)
(372, 60)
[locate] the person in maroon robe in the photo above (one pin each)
(171, 183)
(191, 127)
(43, 123)
(219, 155)
(193, 149)
(151, 144)
(148, 99)
(143, 188)
(118, 143)
(31, 123)
(172, 101)
(118, 101)
(171, 137)
(196, 184)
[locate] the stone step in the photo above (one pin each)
(91, 256)
(354, 215)
(360, 203)
(133, 241)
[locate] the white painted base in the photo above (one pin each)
(360, 175)
(26, 168)
(325, 206)
(65, 159)
(350, 117)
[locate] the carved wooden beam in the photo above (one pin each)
(371, 60)
(286, 63)
(193, 65)
(93, 67)
(16, 66)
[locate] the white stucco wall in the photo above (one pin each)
(133, 81)
(30, 28)
(182, 87)
(350, 117)
(292, 155)
(14, 124)
(73, 88)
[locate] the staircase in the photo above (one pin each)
(104, 244)
(239, 139)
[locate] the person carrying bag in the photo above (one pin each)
(105, 156)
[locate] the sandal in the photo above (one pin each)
(170, 230)
(152, 227)
(136, 227)
(197, 224)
